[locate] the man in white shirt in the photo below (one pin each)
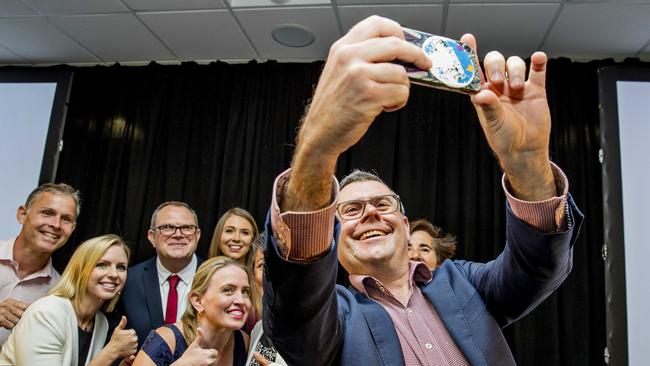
(48, 218)
(156, 289)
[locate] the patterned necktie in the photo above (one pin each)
(172, 300)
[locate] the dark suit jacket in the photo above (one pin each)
(312, 321)
(140, 300)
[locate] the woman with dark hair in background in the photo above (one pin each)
(66, 327)
(428, 244)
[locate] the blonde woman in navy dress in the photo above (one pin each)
(209, 330)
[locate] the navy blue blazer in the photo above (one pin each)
(140, 300)
(313, 321)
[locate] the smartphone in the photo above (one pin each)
(454, 64)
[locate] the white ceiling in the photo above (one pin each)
(36, 32)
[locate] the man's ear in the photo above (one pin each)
(21, 214)
(150, 236)
(408, 228)
(198, 234)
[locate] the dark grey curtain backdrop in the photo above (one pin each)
(215, 136)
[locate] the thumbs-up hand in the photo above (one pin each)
(196, 355)
(124, 342)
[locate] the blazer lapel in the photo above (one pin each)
(443, 298)
(98, 340)
(382, 329)
(152, 293)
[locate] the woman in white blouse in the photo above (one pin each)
(66, 327)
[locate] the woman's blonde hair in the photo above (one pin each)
(215, 244)
(74, 280)
(200, 285)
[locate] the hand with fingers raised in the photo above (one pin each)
(196, 355)
(515, 117)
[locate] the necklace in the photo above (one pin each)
(87, 327)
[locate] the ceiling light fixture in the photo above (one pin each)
(293, 35)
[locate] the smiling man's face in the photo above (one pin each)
(48, 222)
(373, 243)
(177, 247)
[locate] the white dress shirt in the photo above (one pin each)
(183, 288)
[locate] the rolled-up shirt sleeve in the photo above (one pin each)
(302, 236)
(548, 215)
(307, 236)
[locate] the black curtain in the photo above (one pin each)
(215, 136)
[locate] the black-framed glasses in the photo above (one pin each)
(169, 230)
(353, 209)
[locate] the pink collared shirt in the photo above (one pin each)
(423, 337)
(28, 289)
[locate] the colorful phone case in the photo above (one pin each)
(455, 66)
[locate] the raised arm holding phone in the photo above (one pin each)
(396, 311)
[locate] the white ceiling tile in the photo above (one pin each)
(200, 35)
(116, 37)
(612, 1)
(174, 4)
(599, 30)
(274, 3)
(260, 22)
(49, 7)
(426, 18)
(9, 58)
(40, 42)
(499, 2)
(167, 30)
(14, 7)
(376, 2)
(518, 33)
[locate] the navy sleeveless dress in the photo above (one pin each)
(158, 350)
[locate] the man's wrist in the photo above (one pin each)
(310, 184)
(547, 215)
(530, 178)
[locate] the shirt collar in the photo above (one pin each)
(7, 249)
(7, 254)
(418, 273)
(47, 271)
(186, 274)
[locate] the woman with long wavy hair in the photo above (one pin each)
(233, 236)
